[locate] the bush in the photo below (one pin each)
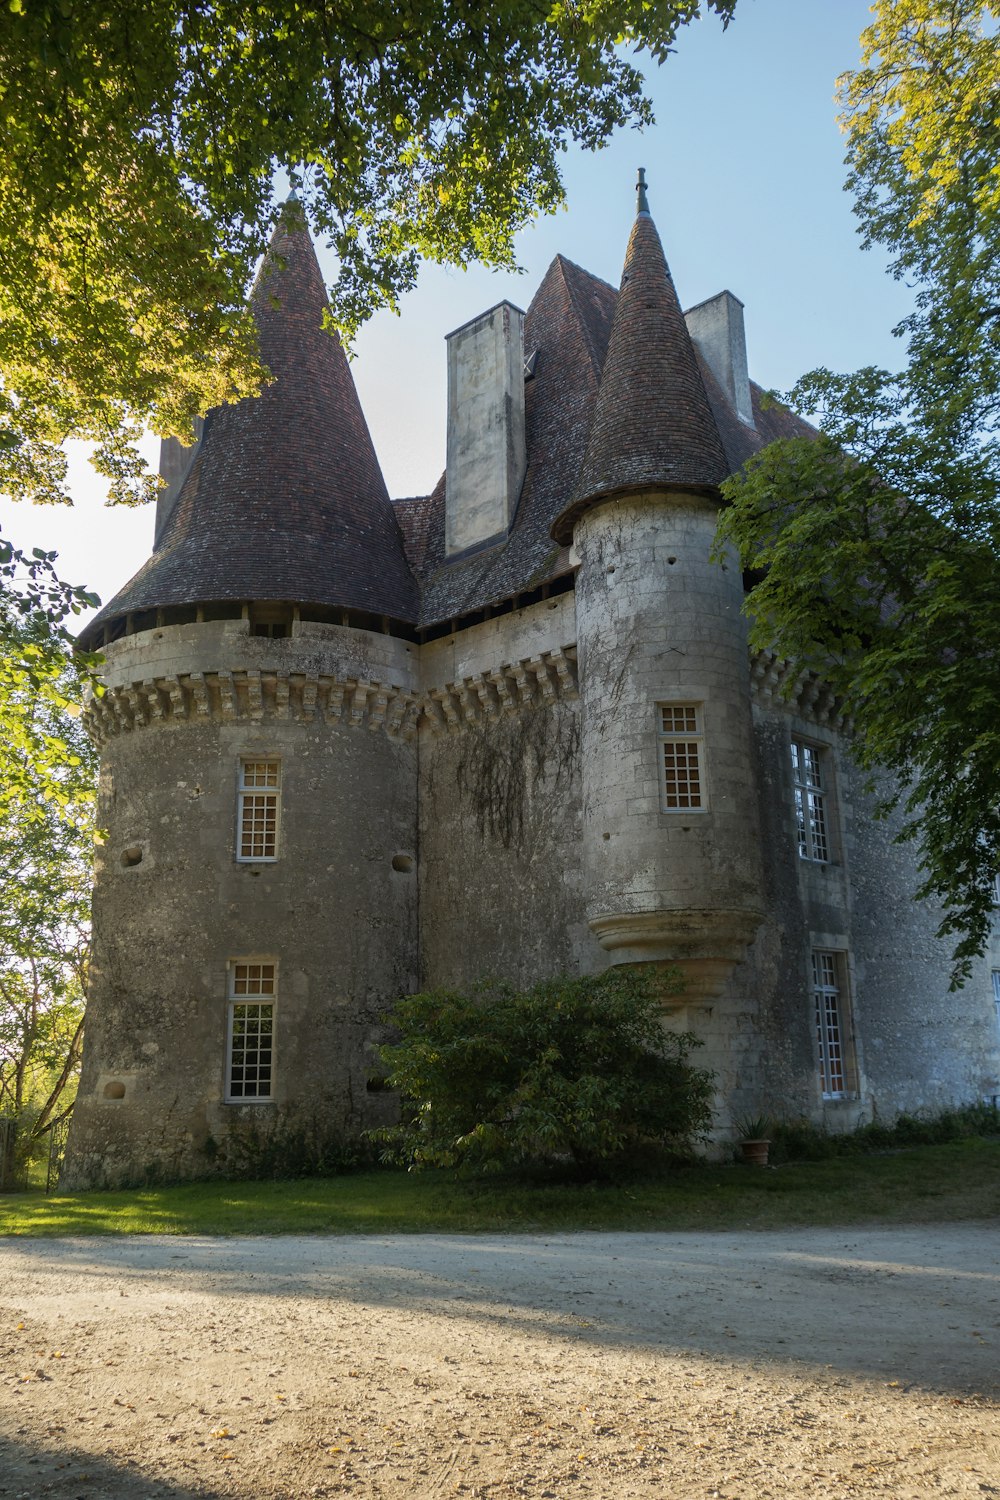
(798, 1140)
(282, 1143)
(573, 1072)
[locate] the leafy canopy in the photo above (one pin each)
(138, 147)
(41, 680)
(576, 1071)
(879, 542)
(46, 855)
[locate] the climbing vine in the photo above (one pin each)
(504, 760)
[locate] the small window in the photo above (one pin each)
(682, 771)
(833, 1024)
(257, 811)
(811, 802)
(996, 994)
(250, 1033)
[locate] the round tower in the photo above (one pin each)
(670, 836)
(255, 897)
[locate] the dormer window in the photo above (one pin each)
(271, 620)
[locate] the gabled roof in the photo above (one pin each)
(653, 425)
(285, 499)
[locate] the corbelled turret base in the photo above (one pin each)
(705, 946)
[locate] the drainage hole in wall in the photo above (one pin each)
(114, 1091)
(671, 560)
(131, 856)
(402, 863)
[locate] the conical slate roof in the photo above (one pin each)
(653, 426)
(285, 499)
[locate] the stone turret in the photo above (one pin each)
(670, 836)
(255, 899)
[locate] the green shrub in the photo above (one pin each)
(573, 1073)
(798, 1140)
(285, 1142)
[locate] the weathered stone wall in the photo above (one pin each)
(500, 878)
(924, 1047)
(331, 912)
(916, 1047)
(659, 623)
(443, 817)
(807, 905)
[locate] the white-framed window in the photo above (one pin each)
(681, 741)
(250, 1032)
(996, 994)
(257, 807)
(833, 1024)
(809, 779)
(996, 889)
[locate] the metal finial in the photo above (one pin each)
(642, 207)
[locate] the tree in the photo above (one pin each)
(38, 668)
(877, 544)
(138, 147)
(46, 854)
(572, 1071)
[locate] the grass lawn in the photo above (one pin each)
(925, 1184)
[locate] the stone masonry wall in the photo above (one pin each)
(500, 879)
(336, 912)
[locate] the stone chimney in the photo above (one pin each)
(486, 444)
(175, 461)
(716, 327)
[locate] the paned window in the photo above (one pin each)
(996, 993)
(681, 741)
(833, 1029)
(257, 811)
(250, 1042)
(808, 778)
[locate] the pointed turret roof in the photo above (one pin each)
(285, 499)
(653, 425)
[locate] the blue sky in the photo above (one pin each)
(745, 172)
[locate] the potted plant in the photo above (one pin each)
(753, 1133)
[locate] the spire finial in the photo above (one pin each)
(642, 207)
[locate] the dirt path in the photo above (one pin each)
(820, 1363)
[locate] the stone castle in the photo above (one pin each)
(354, 747)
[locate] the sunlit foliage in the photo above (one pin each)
(138, 150)
(879, 543)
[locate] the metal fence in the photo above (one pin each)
(57, 1149)
(12, 1175)
(14, 1170)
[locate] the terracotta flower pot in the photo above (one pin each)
(754, 1153)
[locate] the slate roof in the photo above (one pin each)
(568, 323)
(653, 425)
(285, 499)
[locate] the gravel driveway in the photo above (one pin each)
(815, 1362)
